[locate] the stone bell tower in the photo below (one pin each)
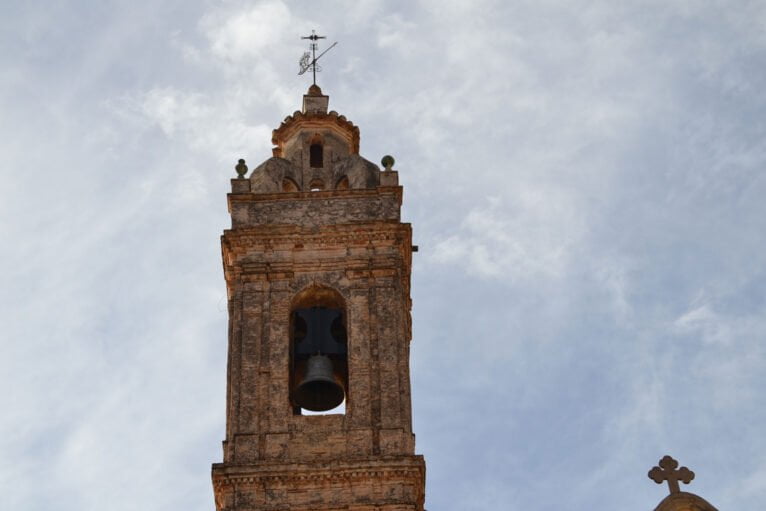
(317, 267)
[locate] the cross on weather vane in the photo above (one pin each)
(309, 60)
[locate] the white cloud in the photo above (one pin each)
(584, 181)
(238, 35)
(527, 235)
(702, 321)
(200, 122)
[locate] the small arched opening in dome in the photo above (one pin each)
(342, 183)
(288, 185)
(316, 185)
(316, 152)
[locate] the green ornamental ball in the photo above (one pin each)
(387, 161)
(241, 168)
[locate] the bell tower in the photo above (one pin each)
(317, 267)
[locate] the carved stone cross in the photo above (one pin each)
(667, 472)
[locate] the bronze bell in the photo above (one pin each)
(320, 390)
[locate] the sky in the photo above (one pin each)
(586, 186)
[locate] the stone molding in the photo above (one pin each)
(269, 485)
(315, 209)
(299, 120)
(269, 471)
(276, 240)
(245, 198)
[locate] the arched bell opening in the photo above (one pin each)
(319, 353)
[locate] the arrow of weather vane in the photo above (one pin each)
(309, 59)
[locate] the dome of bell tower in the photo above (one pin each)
(315, 150)
(314, 122)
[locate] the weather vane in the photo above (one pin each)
(309, 60)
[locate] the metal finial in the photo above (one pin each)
(305, 64)
(666, 471)
(241, 168)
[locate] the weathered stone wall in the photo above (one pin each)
(315, 208)
(281, 175)
(335, 147)
(368, 264)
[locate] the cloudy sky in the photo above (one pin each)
(585, 180)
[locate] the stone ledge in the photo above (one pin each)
(282, 196)
(320, 469)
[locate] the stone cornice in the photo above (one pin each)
(296, 236)
(279, 245)
(298, 120)
(299, 473)
(397, 191)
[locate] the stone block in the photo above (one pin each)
(389, 178)
(240, 186)
(277, 445)
(396, 442)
